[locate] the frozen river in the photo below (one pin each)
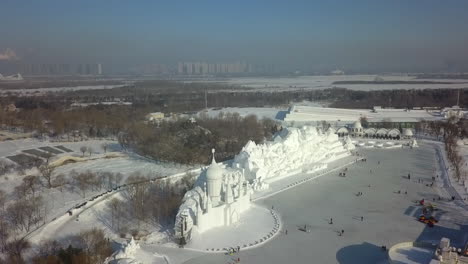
(388, 217)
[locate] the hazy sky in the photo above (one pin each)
(349, 34)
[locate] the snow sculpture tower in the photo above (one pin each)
(214, 177)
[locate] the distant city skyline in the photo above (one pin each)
(309, 36)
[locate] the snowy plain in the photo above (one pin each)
(270, 84)
(388, 217)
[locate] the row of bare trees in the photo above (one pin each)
(450, 131)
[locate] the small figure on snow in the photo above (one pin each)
(331, 221)
(362, 218)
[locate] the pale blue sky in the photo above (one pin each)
(357, 34)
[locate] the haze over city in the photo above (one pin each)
(358, 36)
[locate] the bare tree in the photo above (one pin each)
(15, 250)
(4, 234)
(31, 183)
(84, 181)
(83, 150)
(59, 181)
(115, 206)
(25, 213)
(47, 156)
(118, 178)
(46, 173)
(104, 147)
(90, 151)
(95, 245)
(136, 194)
(3, 198)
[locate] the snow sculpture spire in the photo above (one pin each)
(213, 161)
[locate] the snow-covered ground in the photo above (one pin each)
(324, 82)
(388, 217)
(58, 202)
(412, 255)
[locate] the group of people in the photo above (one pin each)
(233, 250)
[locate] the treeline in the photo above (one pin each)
(399, 98)
(35, 84)
(189, 142)
(95, 121)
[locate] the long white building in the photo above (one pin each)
(400, 117)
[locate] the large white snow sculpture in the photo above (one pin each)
(293, 150)
(222, 193)
(126, 254)
(348, 144)
(219, 197)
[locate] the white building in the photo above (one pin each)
(306, 115)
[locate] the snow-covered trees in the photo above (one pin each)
(93, 247)
(25, 213)
(115, 207)
(83, 150)
(104, 147)
(189, 142)
(83, 181)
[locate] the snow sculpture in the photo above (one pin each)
(224, 196)
(222, 193)
(127, 251)
(348, 144)
(293, 150)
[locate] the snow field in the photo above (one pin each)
(299, 83)
(388, 218)
(256, 226)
